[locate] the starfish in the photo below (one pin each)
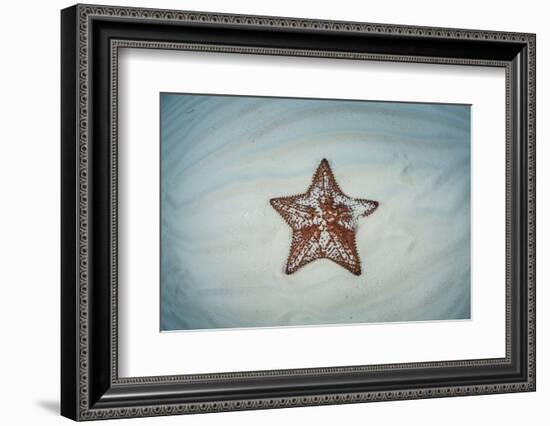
(323, 222)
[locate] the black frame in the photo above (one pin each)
(90, 386)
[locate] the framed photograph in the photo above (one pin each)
(263, 212)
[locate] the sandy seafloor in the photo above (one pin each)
(223, 247)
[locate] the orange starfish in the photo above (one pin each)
(323, 222)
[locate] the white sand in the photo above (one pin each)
(224, 247)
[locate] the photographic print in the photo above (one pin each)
(346, 208)
(300, 212)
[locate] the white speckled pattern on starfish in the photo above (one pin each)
(323, 221)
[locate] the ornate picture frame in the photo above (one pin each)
(91, 37)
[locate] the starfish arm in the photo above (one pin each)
(295, 214)
(365, 207)
(303, 249)
(357, 206)
(324, 183)
(340, 248)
